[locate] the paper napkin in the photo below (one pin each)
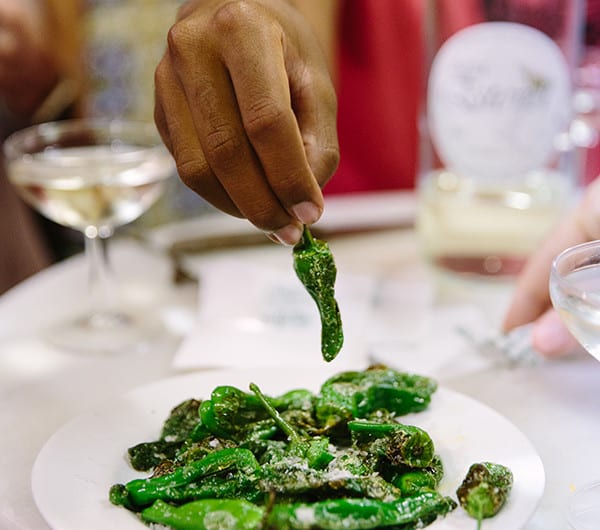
(250, 315)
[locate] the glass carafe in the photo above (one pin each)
(498, 164)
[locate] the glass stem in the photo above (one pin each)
(101, 281)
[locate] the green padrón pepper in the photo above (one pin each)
(313, 449)
(335, 514)
(334, 460)
(400, 444)
(176, 429)
(362, 514)
(484, 490)
(209, 514)
(315, 267)
(186, 482)
(352, 394)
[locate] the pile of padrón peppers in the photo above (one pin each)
(337, 459)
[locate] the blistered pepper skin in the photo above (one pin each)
(333, 460)
(352, 394)
(401, 444)
(485, 489)
(315, 268)
(337, 514)
(180, 484)
(362, 514)
(225, 514)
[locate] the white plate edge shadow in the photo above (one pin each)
(80, 497)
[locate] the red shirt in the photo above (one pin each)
(380, 60)
(381, 71)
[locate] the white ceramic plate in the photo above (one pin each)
(75, 469)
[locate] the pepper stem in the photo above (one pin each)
(284, 425)
(306, 234)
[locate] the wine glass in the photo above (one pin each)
(92, 175)
(575, 293)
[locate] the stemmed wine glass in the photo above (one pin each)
(575, 293)
(92, 175)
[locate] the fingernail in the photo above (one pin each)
(288, 235)
(273, 238)
(306, 212)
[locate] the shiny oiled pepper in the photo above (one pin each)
(415, 482)
(176, 485)
(315, 267)
(298, 399)
(484, 490)
(181, 422)
(292, 479)
(229, 411)
(399, 444)
(248, 460)
(315, 449)
(412, 481)
(361, 514)
(357, 394)
(337, 514)
(209, 514)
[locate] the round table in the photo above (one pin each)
(555, 404)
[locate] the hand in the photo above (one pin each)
(246, 105)
(531, 299)
(28, 69)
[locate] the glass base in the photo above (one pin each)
(583, 512)
(106, 333)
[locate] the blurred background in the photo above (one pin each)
(123, 42)
(120, 43)
(101, 63)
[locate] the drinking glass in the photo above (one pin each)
(575, 293)
(92, 175)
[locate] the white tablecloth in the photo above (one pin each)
(556, 404)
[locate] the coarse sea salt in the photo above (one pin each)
(305, 515)
(338, 474)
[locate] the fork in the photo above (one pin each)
(508, 349)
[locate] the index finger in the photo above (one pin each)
(262, 83)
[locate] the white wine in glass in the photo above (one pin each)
(575, 294)
(92, 175)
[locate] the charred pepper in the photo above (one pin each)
(315, 267)
(184, 483)
(337, 514)
(354, 394)
(314, 449)
(177, 428)
(484, 490)
(397, 443)
(225, 514)
(411, 481)
(361, 514)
